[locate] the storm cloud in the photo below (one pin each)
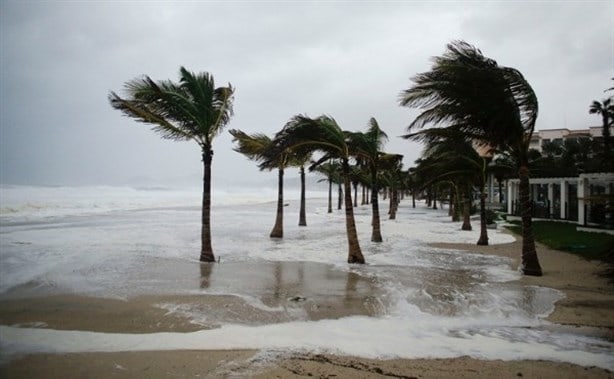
(59, 60)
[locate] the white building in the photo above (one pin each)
(584, 200)
(559, 135)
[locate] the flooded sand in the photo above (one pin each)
(229, 293)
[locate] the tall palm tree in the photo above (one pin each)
(472, 94)
(606, 110)
(191, 110)
(256, 147)
(324, 134)
(368, 147)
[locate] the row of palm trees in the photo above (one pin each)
(300, 139)
(466, 99)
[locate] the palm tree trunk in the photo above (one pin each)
(363, 200)
(340, 195)
(376, 232)
(467, 212)
(302, 219)
(394, 193)
(330, 195)
(355, 195)
(451, 201)
(206, 251)
(457, 205)
(483, 240)
(530, 262)
(354, 252)
(278, 228)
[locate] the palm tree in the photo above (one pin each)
(368, 147)
(485, 102)
(301, 161)
(324, 134)
(392, 179)
(193, 109)
(331, 170)
(606, 110)
(449, 157)
(256, 147)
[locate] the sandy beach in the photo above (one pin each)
(587, 309)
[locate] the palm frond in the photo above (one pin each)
(142, 112)
(192, 109)
(258, 147)
(472, 95)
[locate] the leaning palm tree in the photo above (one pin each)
(368, 147)
(495, 105)
(324, 134)
(606, 110)
(255, 147)
(191, 110)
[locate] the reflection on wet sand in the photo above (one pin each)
(290, 291)
(227, 293)
(231, 293)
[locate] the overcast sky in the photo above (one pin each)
(350, 60)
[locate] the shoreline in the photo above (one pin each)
(589, 298)
(586, 309)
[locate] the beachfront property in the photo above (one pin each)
(541, 137)
(586, 200)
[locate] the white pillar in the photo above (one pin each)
(510, 196)
(582, 193)
(564, 200)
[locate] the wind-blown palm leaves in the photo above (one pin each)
(471, 94)
(324, 134)
(193, 109)
(256, 147)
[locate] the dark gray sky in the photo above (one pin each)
(60, 59)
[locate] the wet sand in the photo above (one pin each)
(589, 298)
(587, 307)
(247, 364)
(275, 292)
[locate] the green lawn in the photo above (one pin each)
(565, 237)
